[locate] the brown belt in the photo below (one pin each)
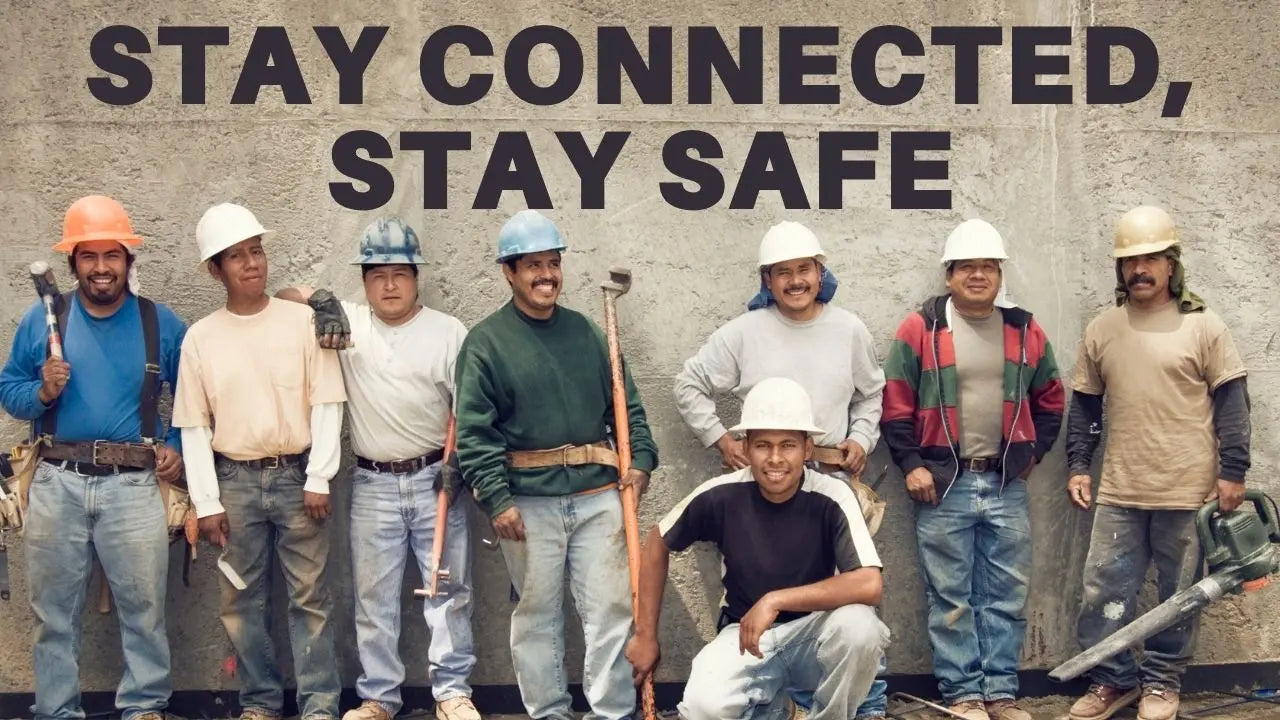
(129, 455)
(595, 453)
(828, 455)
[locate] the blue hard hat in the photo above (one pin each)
(388, 241)
(528, 231)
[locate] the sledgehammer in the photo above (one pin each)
(47, 289)
(617, 285)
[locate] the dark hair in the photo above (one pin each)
(365, 269)
(71, 259)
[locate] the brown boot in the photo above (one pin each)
(1158, 704)
(1101, 702)
(1006, 709)
(971, 710)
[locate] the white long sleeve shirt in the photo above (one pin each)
(322, 463)
(832, 356)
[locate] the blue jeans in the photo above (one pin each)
(122, 518)
(1124, 542)
(580, 535)
(269, 525)
(833, 654)
(391, 515)
(975, 556)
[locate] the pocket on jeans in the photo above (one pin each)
(139, 479)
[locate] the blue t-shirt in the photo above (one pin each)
(106, 355)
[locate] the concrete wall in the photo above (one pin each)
(1053, 179)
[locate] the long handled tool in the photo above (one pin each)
(618, 284)
(47, 289)
(442, 520)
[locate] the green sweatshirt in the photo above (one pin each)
(528, 384)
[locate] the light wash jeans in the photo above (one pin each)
(122, 519)
(876, 704)
(834, 653)
(580, 535)
(269, 525)
(1124, 542)
(391, 515)
(975, 556)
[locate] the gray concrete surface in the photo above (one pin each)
(1052, 178)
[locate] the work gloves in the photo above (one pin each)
(450, 478)
(332, 329)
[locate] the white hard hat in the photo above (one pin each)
(777, 403)
(224, 225)
(789, 240)
(972, 240)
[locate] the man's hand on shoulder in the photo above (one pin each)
(332, 328)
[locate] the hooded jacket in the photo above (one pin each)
(920, 419)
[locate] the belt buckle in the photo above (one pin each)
(274, 460)
(96, 443)
(564, 455)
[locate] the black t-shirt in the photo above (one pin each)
(769, 546)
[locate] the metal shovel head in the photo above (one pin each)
(619, 280)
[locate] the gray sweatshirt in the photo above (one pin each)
(833, 356)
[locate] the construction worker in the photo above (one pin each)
(533, 414)
(801, 575)
(972, 403)
(399, 382)
(96, 488)
(254, 373)
(1178, 436)
(791, 330)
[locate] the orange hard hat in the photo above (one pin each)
(96, 217)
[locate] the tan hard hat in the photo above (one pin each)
(1144, 229)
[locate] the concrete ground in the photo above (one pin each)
(1055, 708)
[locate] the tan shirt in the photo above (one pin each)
(979, 347)
(254, 378)
(1158, 370)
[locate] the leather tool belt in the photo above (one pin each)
(99, 457)
(828, 455)
(401, 466)
(595, 453)
(267, 463)
(984, 464)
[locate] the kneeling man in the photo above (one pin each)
(800, 576)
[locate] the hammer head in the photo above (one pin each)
(437, 585)
(619, 280)
(42, 276)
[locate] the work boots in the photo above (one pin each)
(368, 710)
(1158, 704)
(971, 710)
(1006, 709)
(1101, 702)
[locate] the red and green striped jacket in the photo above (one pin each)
(920, 419)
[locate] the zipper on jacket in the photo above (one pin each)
(942, 412)
(1017, 407)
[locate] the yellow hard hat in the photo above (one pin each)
(1144, 229)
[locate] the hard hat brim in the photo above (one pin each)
(503, 258)
(69, 244)
(382, 259)
(948, 259)
(210, 252)
(809, 429)
(819, 257)
(1143, 249)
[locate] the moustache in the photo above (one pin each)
(803, 287)
(1135, 280)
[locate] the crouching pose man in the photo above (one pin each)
(801, 576)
